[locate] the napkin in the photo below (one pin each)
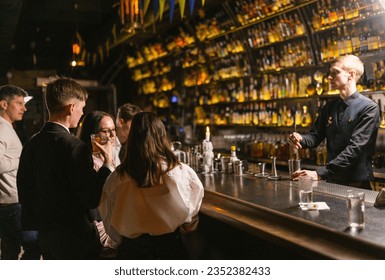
(315, 206)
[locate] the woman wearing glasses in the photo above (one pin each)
(151, 197)
(99, 126)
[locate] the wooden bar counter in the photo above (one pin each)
(269, 211)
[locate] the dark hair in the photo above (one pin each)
(60, 91)
(8, 92)
(148, 151)
(127, 111)
(91, 125)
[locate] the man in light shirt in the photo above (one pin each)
(12, 108)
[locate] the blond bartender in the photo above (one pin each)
(350, 125)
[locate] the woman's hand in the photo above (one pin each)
(107, 151)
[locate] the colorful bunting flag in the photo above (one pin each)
(182, 4)
(192, 4)
(171, 4)
(161, 8)
(146, 3)
(155, 7)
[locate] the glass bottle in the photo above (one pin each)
(306, 119)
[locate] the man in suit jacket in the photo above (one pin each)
(56, 180)
(350, 125)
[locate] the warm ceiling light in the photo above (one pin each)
(76, 48)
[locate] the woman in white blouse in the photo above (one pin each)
(150, 195)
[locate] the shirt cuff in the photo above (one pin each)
(109, 166)
(323, 172)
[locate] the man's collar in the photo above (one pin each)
(351, 98)
(60, 125)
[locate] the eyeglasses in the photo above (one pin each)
(107, 131)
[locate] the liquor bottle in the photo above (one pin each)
(256, 114)
(298, 115)
(348, 45)
(333, 13)
(289, 118)
(355, 38)
(324, 54)
(373, 39)
(299, 26)
(340, 42)
(240, 94)
(334, 46)
(316, 20)
(306, 119)
(253, 89)
(363, 40)
(274, 114)
(323, 12)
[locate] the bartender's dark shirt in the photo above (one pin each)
(350, 128)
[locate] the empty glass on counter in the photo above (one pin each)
(305, 188)
(356, 208)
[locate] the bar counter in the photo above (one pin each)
(269, 210)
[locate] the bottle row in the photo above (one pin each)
(332, 12)
(359, 39)
(267, 145)
(267, 87)
(269, 114)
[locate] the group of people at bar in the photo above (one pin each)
(133, 199)
(55, 187)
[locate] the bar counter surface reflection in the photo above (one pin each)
(270, 211)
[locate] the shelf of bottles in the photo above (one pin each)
(216, 25)
(264, 145)
(348, 27)
(261, 63)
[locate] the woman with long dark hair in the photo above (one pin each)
(150, 195)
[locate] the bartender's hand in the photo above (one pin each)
(312, 174)
(295, 140)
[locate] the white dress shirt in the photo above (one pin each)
(128, 210)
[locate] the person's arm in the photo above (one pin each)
(317, 133)
(196, 193)
(28, 190)
(367, 124)
(6, 164)
(107, 205)
(85, 183)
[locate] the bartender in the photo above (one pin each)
(350, 125)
